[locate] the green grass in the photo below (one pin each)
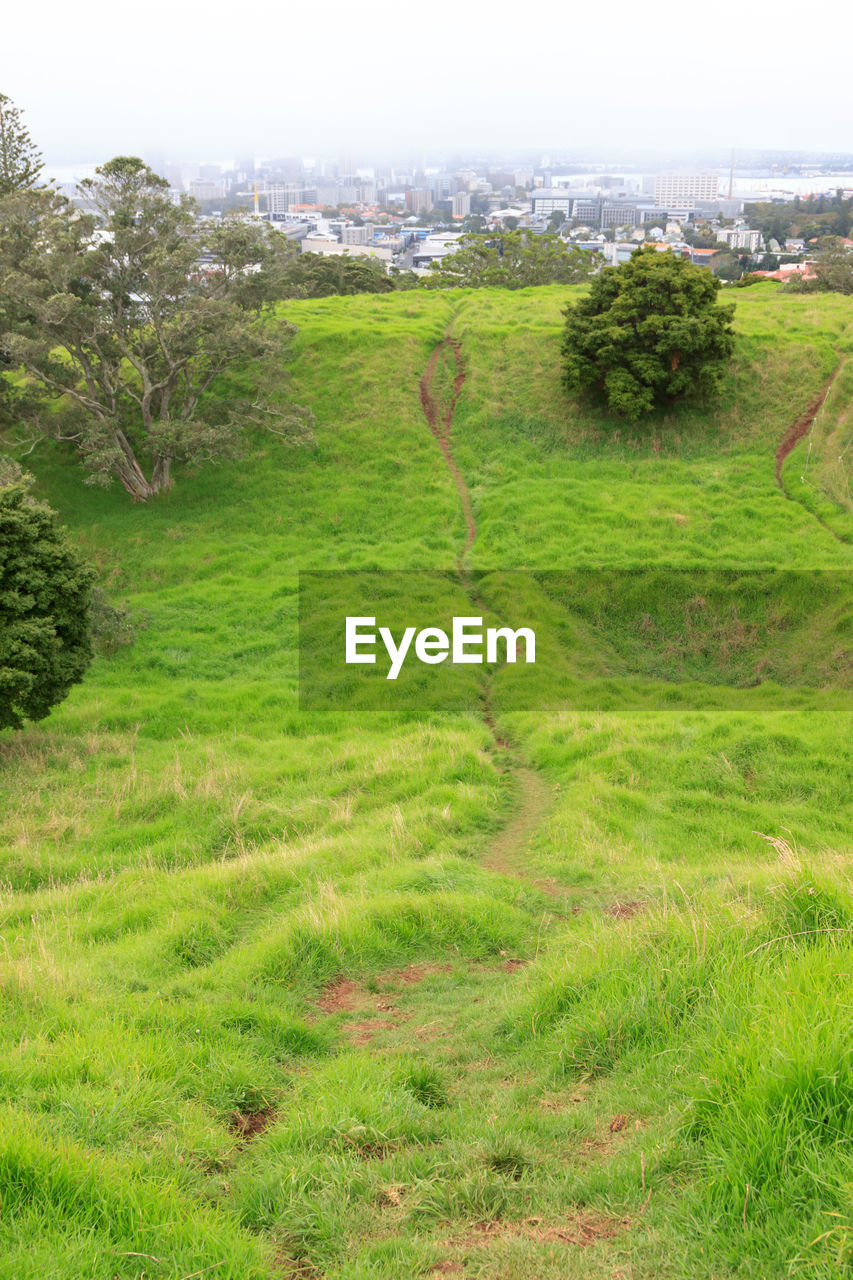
(817, 472)
(626, 1052)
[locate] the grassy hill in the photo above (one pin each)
(513, 993)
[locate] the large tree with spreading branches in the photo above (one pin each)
(144, 323)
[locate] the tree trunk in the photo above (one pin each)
(132, 476)
(160, 478)
(129, 471)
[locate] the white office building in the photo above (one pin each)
(680, 190)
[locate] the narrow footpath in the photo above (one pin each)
(440, 387)
(803, 424)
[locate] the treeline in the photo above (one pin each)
(804, 219)
(506, 260)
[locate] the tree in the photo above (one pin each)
(313, 275)
(649, 332)
(510, 260)
(726, 265)
(20, 165)
(20, 161)
(834, 267)
(131, 315)
(699, 238)
(45, 601)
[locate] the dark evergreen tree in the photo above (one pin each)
(20, 161)
(649, 332)
(45, 601)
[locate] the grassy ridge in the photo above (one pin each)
(190, 862)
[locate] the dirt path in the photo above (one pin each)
(505, 853)
(802, 425)
(439, 417)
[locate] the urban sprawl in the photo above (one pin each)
(410, 220)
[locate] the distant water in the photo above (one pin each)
(754, 183)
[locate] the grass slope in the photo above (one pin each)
(280, 998)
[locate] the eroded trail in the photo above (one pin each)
(439, 416)
(803, 424)
(439, 397)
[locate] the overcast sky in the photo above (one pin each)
(214, 80)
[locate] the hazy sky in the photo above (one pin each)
(213, 80)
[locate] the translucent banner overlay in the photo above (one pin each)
(640, 639)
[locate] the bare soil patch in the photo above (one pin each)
(343, 996)
(248, 1125)
(624, 910)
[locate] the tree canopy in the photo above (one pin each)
(805, 217)
(510, 260)
(45, 601)
(313, 275)
(129, 312)
(833, 268)
(20, 160)
(649, 332)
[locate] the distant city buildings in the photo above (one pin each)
(740, 238)
(208, 188)
(419, 200)
(548, 200)
(461, 205)
(357, 235)
(408, 214)
(432, 249)
(684, 189)
(594, 210)
(281, 196)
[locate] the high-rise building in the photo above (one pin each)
(679, 190)
(281, 195)
(207, 189)
(461, 205)
(419, 199)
